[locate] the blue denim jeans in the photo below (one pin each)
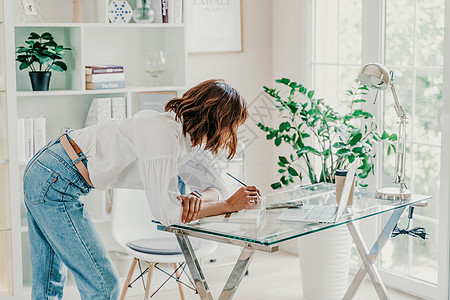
(61, 233)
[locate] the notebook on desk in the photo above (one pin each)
(323, 213)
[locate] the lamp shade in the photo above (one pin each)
(375, 76)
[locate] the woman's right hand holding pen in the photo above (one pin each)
(244, 198)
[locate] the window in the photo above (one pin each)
(411, 43)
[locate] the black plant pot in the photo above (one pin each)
(40, 80)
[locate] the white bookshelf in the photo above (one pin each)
(67, 102)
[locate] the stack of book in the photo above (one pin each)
(168, 11)
(31, 137)
(104, 77)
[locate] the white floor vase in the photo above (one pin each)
(324, 263)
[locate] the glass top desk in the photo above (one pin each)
(269, 232)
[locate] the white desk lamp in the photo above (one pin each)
(376, 76)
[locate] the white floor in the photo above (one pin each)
(268, 279)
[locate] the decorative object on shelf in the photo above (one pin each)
(214, 26)
(46, 53)
(105, 77)
(153, 100)
(340, 138)
(105, 109)
(77, 11)
(120, 11)
(28, 11)
(154, 64)
(143, 13)
(31, 137)
(376, 76)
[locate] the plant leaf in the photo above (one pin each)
(292, 171)
(61, 64)
(24, 65)
(34, 36)
(355, 139)
(47, 36)
(283, 159)
(276, 185)
(277, 141)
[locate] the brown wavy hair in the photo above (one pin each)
(214, 110)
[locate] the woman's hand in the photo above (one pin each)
(192, 205)
(243, 198)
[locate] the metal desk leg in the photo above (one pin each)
(369, 259)
(194, 267)
(236, 275)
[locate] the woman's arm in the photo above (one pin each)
(195, 208)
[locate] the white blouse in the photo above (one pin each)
(148, 151)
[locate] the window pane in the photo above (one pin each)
(347, 77)
(350, 38)
(327, 84)
(426, 164)
(399, 32)
(430, 32)
(327, 26)
(428, 102)
(395, 253)
(425, 252)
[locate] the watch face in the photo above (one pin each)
(120, 11)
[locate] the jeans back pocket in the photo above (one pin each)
(37, 181)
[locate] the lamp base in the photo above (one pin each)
(393, 194)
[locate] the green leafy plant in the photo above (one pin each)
(314, 129)
(42, 54)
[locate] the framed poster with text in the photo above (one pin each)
(153, 100)
(214, 26)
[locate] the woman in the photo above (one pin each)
(148, 151)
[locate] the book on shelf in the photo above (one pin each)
(105, 77)
(178, 12)
(105, 109)
(105, 85)
(31, 137)
(103, 69)
(164, 11)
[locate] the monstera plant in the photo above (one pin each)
(315, 130)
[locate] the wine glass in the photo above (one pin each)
(154, 64)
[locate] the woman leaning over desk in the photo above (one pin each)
(147, 151)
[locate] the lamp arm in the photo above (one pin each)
(400, 159)
(398, 108)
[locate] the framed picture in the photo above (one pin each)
(214, 26)
(153, 100)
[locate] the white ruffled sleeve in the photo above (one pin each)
(202, 172)
(157, 143)
(160, 179)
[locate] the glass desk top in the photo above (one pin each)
(270, 231)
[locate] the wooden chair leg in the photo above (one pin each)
(149, 277)
(128, 280)
(180, 286)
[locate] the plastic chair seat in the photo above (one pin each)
(159, 246)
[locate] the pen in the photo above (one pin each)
(241, 182)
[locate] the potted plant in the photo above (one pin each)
(313, 129)
(317, 132)
(41, 55)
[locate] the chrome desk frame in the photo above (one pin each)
(241, 266)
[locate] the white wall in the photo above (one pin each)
(247, 71)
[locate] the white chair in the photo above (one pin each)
(132, 221)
